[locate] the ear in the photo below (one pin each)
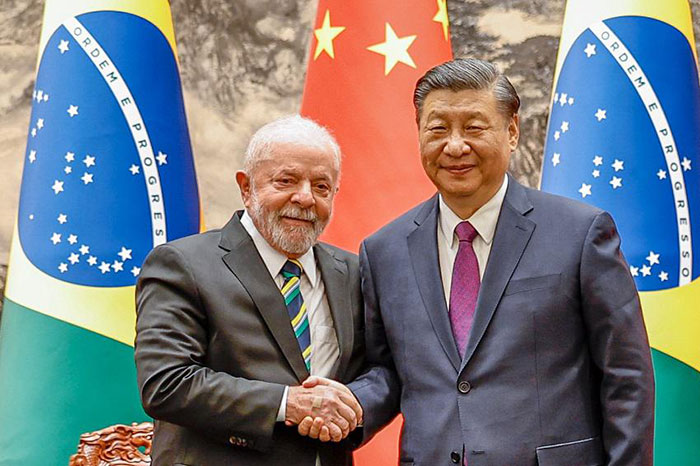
(243, 181)
(514, 132)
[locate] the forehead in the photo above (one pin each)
(466, 102)
(300, 158)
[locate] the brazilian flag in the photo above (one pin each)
(624, 135)
(108, 175)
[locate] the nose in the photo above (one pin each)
(303, 196)
(456, 145)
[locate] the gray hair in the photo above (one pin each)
(292, 129)
(468, 73)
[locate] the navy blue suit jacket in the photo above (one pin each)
(557, 369)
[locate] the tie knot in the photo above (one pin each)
(292, 268)
(466, 232)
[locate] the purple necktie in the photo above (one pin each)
(465, 286)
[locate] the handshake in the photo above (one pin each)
(323, 409)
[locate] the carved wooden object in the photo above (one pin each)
(116, 445)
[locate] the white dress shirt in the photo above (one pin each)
(324, 341)
(484, 221)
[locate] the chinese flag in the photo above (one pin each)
(365, 58)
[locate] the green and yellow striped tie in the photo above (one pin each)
(291, 271)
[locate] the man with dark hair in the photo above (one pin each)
(501, 321)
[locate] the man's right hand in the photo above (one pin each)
(328, 410)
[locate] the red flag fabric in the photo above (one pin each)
(365, 58)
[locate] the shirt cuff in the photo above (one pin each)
(282, 411)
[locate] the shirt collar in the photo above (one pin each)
(484, 220)
(273, 259)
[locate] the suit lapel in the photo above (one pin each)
(512, 234)
(335, 280)
(248, 267)
(422, 245)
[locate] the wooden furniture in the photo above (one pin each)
(117, 445)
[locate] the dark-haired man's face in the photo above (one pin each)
(465, 146)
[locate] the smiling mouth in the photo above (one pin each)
(296, 221)
(459, 169)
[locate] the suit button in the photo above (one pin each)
(464, 387)
(455, 457)
(232, 440)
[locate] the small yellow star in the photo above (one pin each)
(325, 35)
(394, 49)
(441, 16)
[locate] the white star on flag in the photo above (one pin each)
(134, 169)
(84, 249)
(63, 267)
(597, 160)
(39, 95)
(564, 126)
(33, 132)
(663, 276)
(686, 164)
(616, 182)
(125, 254)
(56, 238)
(63, 46)
(557, 135)
(590, 50)
(562, 99)
(62, 218)
(87, 178)
(32, 156)
(46, 98)
(68, 170)
(646, 270)
(104, 267)
(653, 258)
(661, 174)
(596, 173)
(72, 239)
(162, 158)
(40, 123)
(634, 270)
(89, 161)
(618, 165)
(57, 186)
(92, 260)
(117, 266)
(556, 159)
(135, 271)
(70, 156)
(585, 190)
(72, 110)
(74, 258)
(571, 101)
(601, 114)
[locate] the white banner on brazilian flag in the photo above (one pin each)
(108, 175)
(624, 135)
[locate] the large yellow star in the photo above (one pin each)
(394, 49)
(441, 16)
(325, 35)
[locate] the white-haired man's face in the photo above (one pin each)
(289, 195)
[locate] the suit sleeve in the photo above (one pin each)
(619, 346)
(378, 389)
(170, 352)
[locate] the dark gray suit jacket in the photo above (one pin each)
(557, 370)
(215, 348)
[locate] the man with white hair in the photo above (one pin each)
(232, 321)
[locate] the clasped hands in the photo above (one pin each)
(323, 409)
